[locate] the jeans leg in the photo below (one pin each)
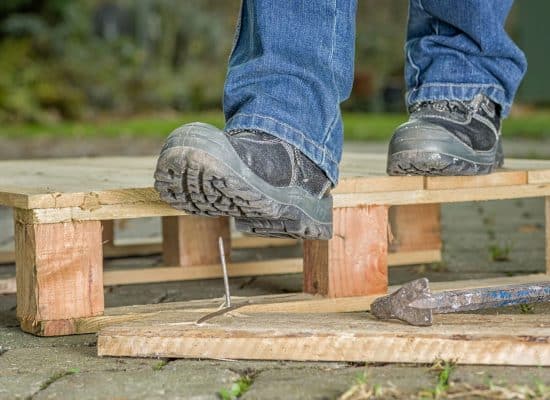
(291, 67)
(458, 49)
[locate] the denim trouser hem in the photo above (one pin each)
(319, 155)
(453, 91)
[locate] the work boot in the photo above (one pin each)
(446, 137)
(269, 186)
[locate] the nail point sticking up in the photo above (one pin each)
(225, 276)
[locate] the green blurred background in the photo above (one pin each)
(142, 67)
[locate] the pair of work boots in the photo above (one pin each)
(272, 189)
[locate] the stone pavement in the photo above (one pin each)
(473, 233)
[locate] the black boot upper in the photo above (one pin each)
(475, 122)
(278, 162)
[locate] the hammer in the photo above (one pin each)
(415, 304)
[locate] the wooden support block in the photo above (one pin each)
(191, 240)
(355, 261)
(415, 227)
(520, 339)
(547, 237)
(59, 273)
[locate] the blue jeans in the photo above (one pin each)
(292, 65)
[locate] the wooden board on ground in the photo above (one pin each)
(89, 184)
(468, 339)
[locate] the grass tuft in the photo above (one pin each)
(237, 389)
(444, 368)
(527, 308)
(160, 365)
(442, 385)
(362, 390)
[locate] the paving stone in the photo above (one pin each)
(501, 375)
(23, 386)
(55, 360)
(467, 242)
(12, 338)
(317, 383)
(301, 383)
(199, 382)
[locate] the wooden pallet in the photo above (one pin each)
(284, 328)
(59, 205)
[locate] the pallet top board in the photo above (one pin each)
(466, 338)
(76, 182)
(91, 183)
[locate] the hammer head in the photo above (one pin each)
(397, 304)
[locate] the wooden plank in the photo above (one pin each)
(355, 166)
(415, 228)
(538, 170)
(401, 258)
(298, 303)
(104, 212)
(501, 178)
(441, 196)
(91, 183)
(45, 197)
(124, 248)
(466, 338)
(74, 182)
(167, 274)
(193, 240)
(159, 209)
(59, 272)
(539, 176)
(355, 261)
